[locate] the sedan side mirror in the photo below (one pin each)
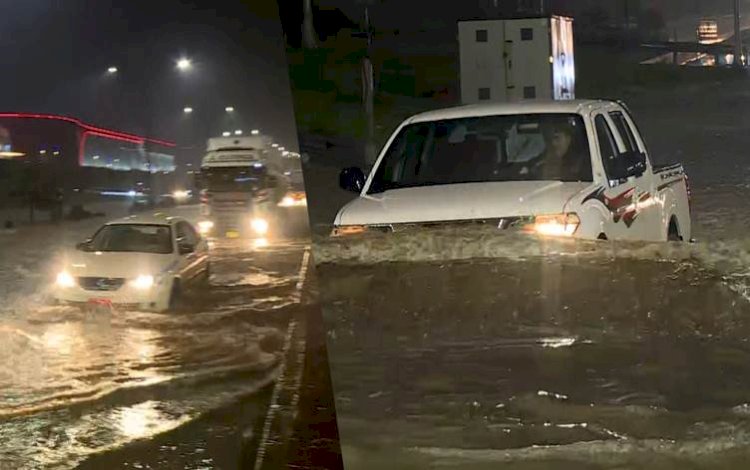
(83, 246)
(352, 179)
(630, 164)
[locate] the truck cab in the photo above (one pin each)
(570, 168)
(240, 187)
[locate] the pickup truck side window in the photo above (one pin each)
(607, 143)
(626, 133)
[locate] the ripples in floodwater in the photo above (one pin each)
(569, 362)
(75, 383)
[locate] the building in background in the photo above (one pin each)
(50, 155)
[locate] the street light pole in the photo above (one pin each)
(308, 26)
(737, 35)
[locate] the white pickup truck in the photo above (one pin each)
(563, 168)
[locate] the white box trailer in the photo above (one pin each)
(516, 59)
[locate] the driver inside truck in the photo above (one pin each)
(565, 156)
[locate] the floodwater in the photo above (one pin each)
(561, 355)
(78, 385)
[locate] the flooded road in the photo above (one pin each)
(544, 362)
(148, 390)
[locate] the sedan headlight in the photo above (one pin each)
(557, 225)
(180, 194)
(205, 226)
(64, 279)
(259, 226)
(144, 281)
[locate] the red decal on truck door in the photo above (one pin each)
(621, 206)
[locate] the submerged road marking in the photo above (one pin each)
(301, 276)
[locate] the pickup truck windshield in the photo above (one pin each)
(139, 238)
(531, 147)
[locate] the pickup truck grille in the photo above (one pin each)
(500, 223)
(101, 283)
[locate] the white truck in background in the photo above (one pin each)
(242, 183)
(509, 60)
(576, 169)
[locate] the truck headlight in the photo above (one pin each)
(557, 225)
(64, 279)
(143, 282)
(205, 226)
(259, 226)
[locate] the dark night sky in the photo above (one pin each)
(55, 55)
(426, 13)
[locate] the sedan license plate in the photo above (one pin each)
(233, 234)
(98, 305)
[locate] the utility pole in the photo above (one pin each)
(368, 91)
(308, 26)
(737, 36)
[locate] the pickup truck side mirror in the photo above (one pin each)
(629, 164)
(84, 245)
(352, 179)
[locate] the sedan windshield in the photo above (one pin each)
(531, 147)
(133, 238)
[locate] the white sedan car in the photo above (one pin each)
(141, 261)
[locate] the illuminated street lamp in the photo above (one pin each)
(187, 110)
(274, 145)
(281, 149)
(284, 153)
(184, 64)
(226, 134)
(112, 70)
(229, 109)
(255, 132)
(238, 132)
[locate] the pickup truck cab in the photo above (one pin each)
(562, 168)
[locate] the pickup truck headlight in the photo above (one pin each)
(557, 225)
(343, 230)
